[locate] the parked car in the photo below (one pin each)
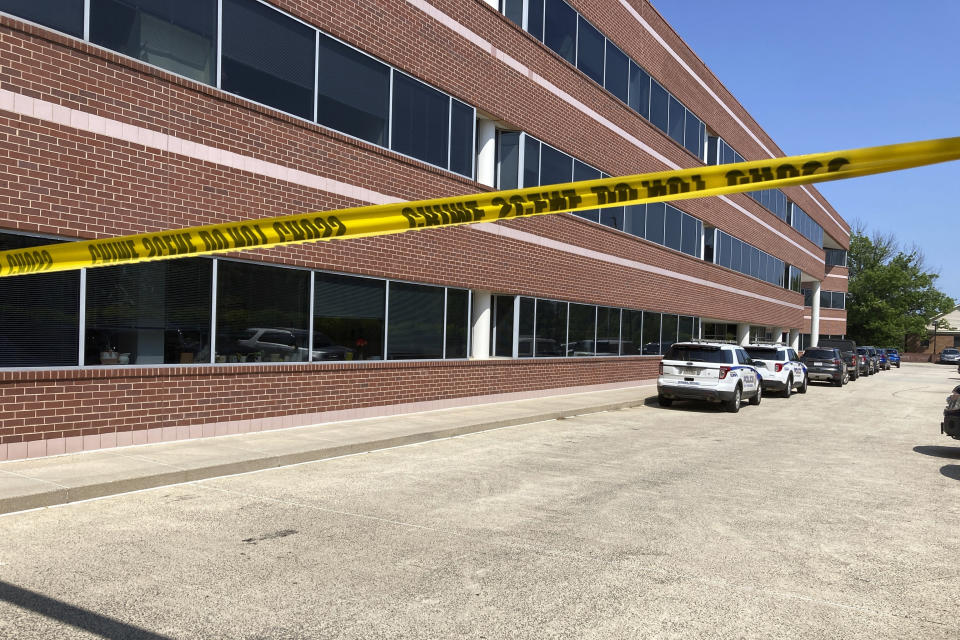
(711, 371)
(951, 415)
(782, 370)
(882, 357)
(950, 356)
(875, 357)
(848, 348)
(865, 362)
(826, 364)
(893, 357)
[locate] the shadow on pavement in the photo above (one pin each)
(85, 619)
(693, 406)
(939, 452)
(951, 471)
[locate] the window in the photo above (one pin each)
(708, 240)
(700, 354)
(150, 313)
(560, 29)
(555, 166)
(508, 159)
(551, 328)
(525, 328)
(635, 219)
(348, 317)
(462, 150)
(161, 33)
(531, 162)
(656, 213)
(513, 9)
(63, 15)
(583, 171)
(639, 98)
(693, 134)
(835, 257)
(535, 18)
(458, 323)
(415, 325)
(685, 329)
(583, 327)
(616, 77)
(651, 333)
(590, 50)
(659, 106)
(353, 92)
(39, 313)
(268, 57)
(262, 313)
(676, 120)
(420, 120)
(668, 334)
(609, 342)
(672, 228)
(503, 326)
(631, 335)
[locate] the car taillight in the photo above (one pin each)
(778, 367)
(837, 362)
(723, 372)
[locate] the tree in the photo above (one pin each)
(892, 294)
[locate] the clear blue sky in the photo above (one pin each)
(823, 76)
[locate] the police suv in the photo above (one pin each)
(711, 371)
(782, 369)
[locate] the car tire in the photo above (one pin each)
(733, 405)
(789, 390)
(837, 383)
(758, 396)
(803, 387)
(664, 402)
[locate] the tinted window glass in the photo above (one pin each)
(255, 304)
(62, 15)
(415, 330)
(560, 29)
(420, 120)
(348, 317)
(699, 354)
(685, 329)
(508, 159)
(535, 18)
(632, 332)
(736, 254)
(672, 228)
(656, 212)
(160, 32)
(353, 92)
(590, 46)
(668, 333)
(639, 99)
(551, 331)
(635, 219)
(38, 313)
(583, 171)
(555, 166)
(458, 323)
(608, 332)
(503, 326)
(659, 105)
(268, 57)
(513, 9)
(691, 139)
(612, 217)
(651, 333)
(708, 239)
(150, 313)
(617, 74)
(676, 125)
(582, 329)
(461, 139)
(525, 329)
(531, 162)
(827, 354)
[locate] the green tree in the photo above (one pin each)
(892, 293)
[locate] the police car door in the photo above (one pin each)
(747, 373)
(799, 370)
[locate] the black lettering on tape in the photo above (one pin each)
(835, 164)
(412, 217)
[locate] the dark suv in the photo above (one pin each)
(875, 357)
(866, 364)
(848, 349)
(826, 364)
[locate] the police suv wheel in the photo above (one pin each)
(789, 389)
(803, 387)
(758, 396)
(733, 406)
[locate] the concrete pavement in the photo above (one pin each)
(28, 484)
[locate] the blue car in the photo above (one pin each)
(893, 357)
(882, 359)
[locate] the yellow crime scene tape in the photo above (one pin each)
(359, 222)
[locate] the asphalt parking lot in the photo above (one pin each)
(830, 514)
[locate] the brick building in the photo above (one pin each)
(123, 116)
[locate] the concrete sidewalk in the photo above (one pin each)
(43, 482)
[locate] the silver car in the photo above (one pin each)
(950, 356)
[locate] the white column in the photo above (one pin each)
(482, 315)
(743, 333)
(487, 152)
(795, 339)
(778, 332)
(815, 316)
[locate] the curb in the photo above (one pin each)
(66, 495)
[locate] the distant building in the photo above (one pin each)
(128, 116)
(938, 338)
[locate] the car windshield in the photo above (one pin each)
(766, 353)
(892, 352)
(951, 352)
(699, 354)
(820, 353)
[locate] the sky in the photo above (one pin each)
(824, 76)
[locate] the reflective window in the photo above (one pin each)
(590, 48)
(458, 323)
(639, 99)
(353, 92)
(268, 57)
(560, 29)
(632, 333)
(612, 217)
(508, 159)
(555, 166)
(690, 228)
(513, 9)
(39, 313)
(659, 106)
(161, 33)
(531, 162)
(525, 328)
(608, 332)
(150, 313)
(348, 317)
(420, 120)
(415, 326)
(672, 228)
(656, 213)
(692, 136)
(635, 220)
(262, 313)
(676, 120)
(461, 138)
(685, 329)
(651, 333)
(708, 239)
(535, 18)
(551, 328)
(583, 327)
(583, 171)
(616, 77)
(668, 333)
(62, 15)
(502, 326)
(747, 259)
(835, 257)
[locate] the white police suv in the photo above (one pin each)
(711, 371)
(782, 369)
